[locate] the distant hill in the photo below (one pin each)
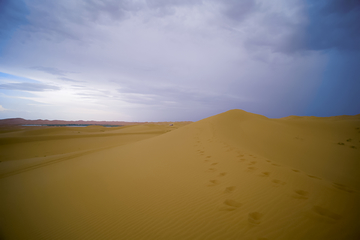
(21, 121)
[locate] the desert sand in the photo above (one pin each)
(235, 175)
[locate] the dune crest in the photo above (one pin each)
(235, 175)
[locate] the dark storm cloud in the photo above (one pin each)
(165, 3)
(238, 10)
(340, 89)
(58, 20)
(12, 16)
(280, 29)
(34, 87)
(334, 29)
(334, 24)
(68, 19)
(165, 7)
(115, 9)
(330, 24)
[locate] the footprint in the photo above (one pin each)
(232, 203)
(326, 214)
(208, 156)
(213, 183)
(252, 163)
(278, 182)
(254, 217)
(211, 170)
(274, 164)
(242, 160)
(230, 189)
(214, 163)
(342, 187)
(265, 174)
(300, 194)
(222, 174)
(295, 170)
(312, 176)
(268, 160)
(206, 160)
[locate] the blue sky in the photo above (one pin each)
(156, 60)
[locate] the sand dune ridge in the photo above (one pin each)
(235, 175)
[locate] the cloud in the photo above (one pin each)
(71, 19)
(333, 29)
(51, 70)
(25, 86)
(92, 94)
(172, 96)
(68, 79)
(334, 24)
(2, 108)
(281, 26)
(263, 25)
(155, 57)
(238, 10)
(101, 11)
(12, 15)
(249, 20)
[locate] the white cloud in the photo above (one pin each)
(2, 108)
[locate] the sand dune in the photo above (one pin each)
(236, 175)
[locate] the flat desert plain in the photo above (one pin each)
(235, 175)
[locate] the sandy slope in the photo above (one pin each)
(235, 175)
(39, 142)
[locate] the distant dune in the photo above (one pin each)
(235, 175)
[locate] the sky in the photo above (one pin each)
(178, 60)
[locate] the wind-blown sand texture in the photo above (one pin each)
(235, 175)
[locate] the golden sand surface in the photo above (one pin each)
(235, 175)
